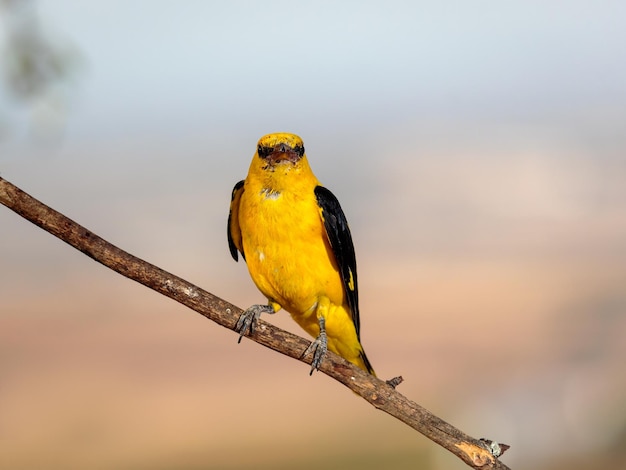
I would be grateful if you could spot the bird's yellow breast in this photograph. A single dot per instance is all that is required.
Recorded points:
(287, 250)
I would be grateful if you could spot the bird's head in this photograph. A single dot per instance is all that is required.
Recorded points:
(280, 149)
(280, 164)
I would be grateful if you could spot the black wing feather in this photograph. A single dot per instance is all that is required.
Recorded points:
(340, 240)
(233, 224)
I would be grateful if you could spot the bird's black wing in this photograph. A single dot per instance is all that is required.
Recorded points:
(234, 231)
(340, 240)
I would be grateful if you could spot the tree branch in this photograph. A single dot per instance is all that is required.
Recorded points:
(477, 453)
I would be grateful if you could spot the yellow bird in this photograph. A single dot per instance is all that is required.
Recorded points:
(294, 237)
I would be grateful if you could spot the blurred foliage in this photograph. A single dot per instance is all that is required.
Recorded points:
(37, 66)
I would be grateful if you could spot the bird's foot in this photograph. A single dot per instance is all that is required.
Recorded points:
(318, 347)
(248, 319)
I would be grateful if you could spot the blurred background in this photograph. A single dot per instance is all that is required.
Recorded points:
(477, 148)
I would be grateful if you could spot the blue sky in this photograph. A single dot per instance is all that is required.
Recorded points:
(199, 66)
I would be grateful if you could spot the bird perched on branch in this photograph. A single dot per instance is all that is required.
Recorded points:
(294, 237)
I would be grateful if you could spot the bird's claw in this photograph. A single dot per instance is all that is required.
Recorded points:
(248, 319)
(318, 347)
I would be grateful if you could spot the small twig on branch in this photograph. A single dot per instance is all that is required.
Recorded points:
(477, 453)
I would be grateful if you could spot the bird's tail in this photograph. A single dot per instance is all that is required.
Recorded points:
(364, 363)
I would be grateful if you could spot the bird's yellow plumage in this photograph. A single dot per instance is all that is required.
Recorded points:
(297, 245)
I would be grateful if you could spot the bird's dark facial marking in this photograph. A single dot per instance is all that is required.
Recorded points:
(280, 153)
(264, 152)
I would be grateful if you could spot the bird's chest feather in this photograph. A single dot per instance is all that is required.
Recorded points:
(286, 248)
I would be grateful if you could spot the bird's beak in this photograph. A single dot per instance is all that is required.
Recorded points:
(281, 153)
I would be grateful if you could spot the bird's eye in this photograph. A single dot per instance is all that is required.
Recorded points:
(299, 150)
(263, 151)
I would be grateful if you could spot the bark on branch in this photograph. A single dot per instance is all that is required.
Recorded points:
(477, 453)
